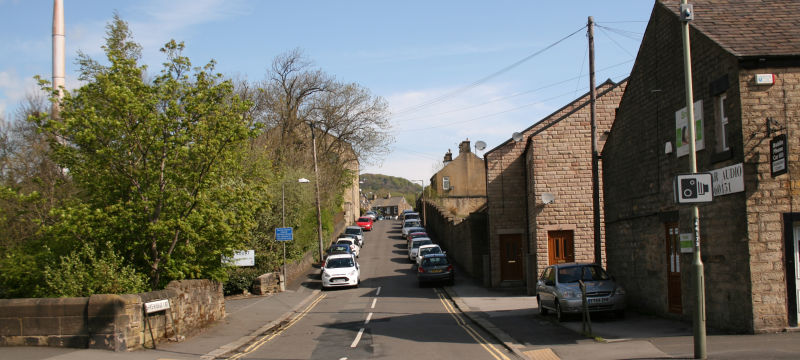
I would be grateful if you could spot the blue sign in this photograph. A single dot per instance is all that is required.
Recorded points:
(284, 234)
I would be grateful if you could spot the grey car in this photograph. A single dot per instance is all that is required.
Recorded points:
(435, 267)
(558, 290)
(357, 232)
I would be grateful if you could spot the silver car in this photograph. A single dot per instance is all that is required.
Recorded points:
(558, 290)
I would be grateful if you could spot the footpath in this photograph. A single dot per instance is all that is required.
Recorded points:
(512, 317)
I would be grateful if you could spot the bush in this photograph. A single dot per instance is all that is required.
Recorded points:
(239, 280)
(88, 271)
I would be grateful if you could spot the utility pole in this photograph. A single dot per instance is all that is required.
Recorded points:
(698, 283)
(598, 241)
(58, 52)
(316, 183)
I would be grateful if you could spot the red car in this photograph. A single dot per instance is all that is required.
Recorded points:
(365, 222)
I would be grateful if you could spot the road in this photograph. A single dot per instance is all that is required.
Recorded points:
(388, 316)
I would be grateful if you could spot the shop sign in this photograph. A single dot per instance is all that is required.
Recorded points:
(728, 180)
(778, 154)
(682, 129)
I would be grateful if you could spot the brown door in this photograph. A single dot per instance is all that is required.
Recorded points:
(511, 257)
(560, 247)
(673, 269)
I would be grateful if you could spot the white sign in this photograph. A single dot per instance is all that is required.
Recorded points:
(686, 243)
(728, 180)
(241, 258)
(156, 306)
(765, 79)
(682, 129)
(693, 188)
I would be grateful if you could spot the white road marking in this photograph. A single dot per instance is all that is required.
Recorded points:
(358, 338)
(368, 317)
(378, 292)
(373, 303)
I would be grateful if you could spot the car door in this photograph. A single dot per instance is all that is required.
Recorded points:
(549, 289)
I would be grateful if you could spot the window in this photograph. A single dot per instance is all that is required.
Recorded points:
(445, 183)
(722, 123)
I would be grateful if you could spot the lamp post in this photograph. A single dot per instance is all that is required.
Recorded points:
(424, 213)
(316, 176)
(283, 216)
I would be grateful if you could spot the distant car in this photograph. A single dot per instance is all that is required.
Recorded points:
(415, 235)
(380, 217)
(414, 230)
(558, 290)
(340, 270)
(371, 214)
(411, 216)
(415, 244)
(408, 225)
(353, 246)
(356, 231)
(339, 249)
(365, 223)
(435, 267)
(426, 250)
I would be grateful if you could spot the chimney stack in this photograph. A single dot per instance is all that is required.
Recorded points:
(448, 157)
(464, 147)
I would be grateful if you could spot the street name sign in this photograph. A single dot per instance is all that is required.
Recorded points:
(694, 188)
(156, 306)
(284, 234)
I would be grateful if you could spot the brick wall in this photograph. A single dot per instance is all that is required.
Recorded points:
(111, 322)
(464, 239)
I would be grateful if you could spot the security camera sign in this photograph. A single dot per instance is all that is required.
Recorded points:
(694, 188)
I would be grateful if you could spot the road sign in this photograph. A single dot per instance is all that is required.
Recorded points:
(694, 188)
(284, 234)
(778, 160)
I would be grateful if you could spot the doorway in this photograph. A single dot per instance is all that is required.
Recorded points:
(510, 257)
(560, 247)
(674, 304)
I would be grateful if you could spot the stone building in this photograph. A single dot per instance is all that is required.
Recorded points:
(464, 176)
(390, 206)
(748, 235)
(553, 155)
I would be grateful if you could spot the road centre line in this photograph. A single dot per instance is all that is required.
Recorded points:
(358, 338)
(373, 303)
(378, 292)
(253, 347)
(368, 317)
(488, 346)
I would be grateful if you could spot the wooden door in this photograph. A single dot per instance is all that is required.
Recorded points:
(560, 247)
(673, 269)
(511, 257)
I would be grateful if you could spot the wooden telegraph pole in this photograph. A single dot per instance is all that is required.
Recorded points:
(598, 241)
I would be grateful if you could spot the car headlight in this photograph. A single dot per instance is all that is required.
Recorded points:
(325, 274)
(572, 295)
(352, 273)
(619, 291)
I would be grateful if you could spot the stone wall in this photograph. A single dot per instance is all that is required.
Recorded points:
(464, 239)
(463, 206)
(111, 322)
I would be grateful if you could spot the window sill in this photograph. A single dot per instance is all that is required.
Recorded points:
(722, 156)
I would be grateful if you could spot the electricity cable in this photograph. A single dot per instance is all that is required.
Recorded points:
(615, 42)
(580, 74)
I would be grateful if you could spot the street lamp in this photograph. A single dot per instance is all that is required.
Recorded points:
(316, 176)
(283, 217)
(424, 214)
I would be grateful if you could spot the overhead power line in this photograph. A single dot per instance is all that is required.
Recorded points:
(481, 81)
(615, 42)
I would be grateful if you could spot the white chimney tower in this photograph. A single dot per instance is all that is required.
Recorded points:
(58, 49)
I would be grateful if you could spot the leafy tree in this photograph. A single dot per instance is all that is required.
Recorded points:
(164, 163)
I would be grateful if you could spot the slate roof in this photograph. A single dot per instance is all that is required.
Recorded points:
(748, 27)
(392, 201)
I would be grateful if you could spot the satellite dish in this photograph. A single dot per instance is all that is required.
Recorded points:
(517, 137)
(548, 198)
(480, 145)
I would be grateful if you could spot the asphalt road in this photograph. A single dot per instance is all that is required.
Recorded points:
(387, 316)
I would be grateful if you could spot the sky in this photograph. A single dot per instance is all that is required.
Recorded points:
(411, 53)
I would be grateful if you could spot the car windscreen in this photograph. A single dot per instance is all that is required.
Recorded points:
(417, 244)
(353, 231)
(363, 219)
(412, 216)
(585, 273)
(434, 261)
(339, 263)
(348, 242)
(409, 224)
(344, 248)
(420, 235)
(433, 250)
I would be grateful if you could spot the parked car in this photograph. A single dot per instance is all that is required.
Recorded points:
(435, 267)
(411, 216)
(365, 223)
(415, 230)
(427, 249)
(353, 246)
(415, 244)
(355, 230)
(339, 249)
(408, 225)
(415, 235)
(558, 290)
(371, 214)
(380, 217)
(340, 270)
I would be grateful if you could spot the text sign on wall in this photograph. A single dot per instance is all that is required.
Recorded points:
(284, 234)
(156, 306)
(728, 180)
(241, 258)
(777, 147)
(686, 243)
(682, 129)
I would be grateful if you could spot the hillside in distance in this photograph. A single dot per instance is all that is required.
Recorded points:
(382, 185)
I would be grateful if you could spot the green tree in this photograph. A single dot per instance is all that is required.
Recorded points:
(165, 164)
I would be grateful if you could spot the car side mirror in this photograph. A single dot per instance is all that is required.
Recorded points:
(549, 282)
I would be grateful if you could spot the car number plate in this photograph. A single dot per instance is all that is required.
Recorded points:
(339, 280)
(436, 270)
(599, 300)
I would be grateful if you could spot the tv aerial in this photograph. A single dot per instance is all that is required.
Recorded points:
(480, 145)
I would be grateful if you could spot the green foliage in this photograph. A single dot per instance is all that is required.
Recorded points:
(240, 279)
(88, 271)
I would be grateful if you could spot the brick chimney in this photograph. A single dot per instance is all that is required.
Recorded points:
(448, 157)
(464, 147)
(389, 195)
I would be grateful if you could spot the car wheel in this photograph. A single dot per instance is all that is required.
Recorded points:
(560, 314)
(542, 310)
(620, 314)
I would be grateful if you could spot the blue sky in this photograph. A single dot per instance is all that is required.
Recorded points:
(409, 52)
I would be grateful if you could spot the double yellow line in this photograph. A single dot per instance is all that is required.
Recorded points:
(474, 334)
(254, 346)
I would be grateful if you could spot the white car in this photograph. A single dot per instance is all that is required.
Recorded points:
(353, 246)
(357, 232)
(340, 270)
(428, 249)
(408, 224)
(415, 244)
